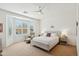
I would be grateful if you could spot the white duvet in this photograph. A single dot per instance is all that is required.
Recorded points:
(45, 42)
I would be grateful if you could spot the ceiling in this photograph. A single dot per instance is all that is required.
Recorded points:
(52, 9)
(21, 7)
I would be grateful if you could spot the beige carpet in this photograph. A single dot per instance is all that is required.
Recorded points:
(23, 49)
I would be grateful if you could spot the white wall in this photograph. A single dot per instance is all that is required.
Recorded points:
(62, 17)
(3, 34)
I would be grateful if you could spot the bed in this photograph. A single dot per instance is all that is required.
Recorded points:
(44, 42)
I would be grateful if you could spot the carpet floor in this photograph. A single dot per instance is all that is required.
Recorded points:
(23, 49)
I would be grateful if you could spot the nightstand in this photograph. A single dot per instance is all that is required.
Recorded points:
(62, 42)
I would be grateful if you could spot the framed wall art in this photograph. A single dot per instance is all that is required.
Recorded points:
(1, 27)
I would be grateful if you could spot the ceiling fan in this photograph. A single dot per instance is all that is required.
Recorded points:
(40, 10)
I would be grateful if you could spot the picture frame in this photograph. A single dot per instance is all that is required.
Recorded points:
(1, 27)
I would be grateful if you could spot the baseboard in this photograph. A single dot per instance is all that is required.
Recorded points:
(68, 45)
(71, 45)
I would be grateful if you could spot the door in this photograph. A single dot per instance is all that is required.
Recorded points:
(9, 33)
(77, 40)
(77, 29)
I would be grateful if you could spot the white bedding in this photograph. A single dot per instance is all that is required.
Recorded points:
(45, 42)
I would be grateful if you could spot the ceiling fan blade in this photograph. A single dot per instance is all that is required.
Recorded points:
(35, 11)
(42, 8)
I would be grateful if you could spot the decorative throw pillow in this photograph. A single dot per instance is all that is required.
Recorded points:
(48, 35)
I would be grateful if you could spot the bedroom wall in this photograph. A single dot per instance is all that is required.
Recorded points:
(62, 17)
(2, 35)
(3, 14)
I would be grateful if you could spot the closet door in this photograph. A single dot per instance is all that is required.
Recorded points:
(77, 29)
(77, 39)
(9, 34)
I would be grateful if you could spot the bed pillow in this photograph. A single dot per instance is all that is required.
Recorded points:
(43, 34)
(54, 36)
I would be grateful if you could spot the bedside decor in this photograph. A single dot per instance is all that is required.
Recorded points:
(52, 26)
(63, 38)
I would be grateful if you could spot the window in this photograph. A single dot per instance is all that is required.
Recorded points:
(21, 27)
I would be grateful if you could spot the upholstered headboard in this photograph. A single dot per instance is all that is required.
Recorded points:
(54, 32)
